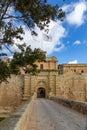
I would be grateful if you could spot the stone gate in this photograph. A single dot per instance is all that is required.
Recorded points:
(65, 81)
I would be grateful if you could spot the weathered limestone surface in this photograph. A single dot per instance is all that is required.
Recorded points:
(27, 88)
(69, 86)
(20, 119)
(79, 106)
(72, 87)
(65, 81)
(43, 114)
(11, 94)
(50, 64)
(73, 68)
(44, 79)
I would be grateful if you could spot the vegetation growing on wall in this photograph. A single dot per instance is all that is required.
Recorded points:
(2, 118)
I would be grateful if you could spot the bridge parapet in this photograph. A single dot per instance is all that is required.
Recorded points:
(19, 120)
(76, 105)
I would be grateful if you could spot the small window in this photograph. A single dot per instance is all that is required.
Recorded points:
(41, 66)
(82, 71)
(74, 70)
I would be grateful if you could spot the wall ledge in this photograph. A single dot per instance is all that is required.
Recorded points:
(76, 105)
(17, 121)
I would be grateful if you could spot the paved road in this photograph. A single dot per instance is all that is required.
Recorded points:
(48, 115)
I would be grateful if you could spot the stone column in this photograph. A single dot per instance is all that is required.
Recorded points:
(27, 87)
(58, 85)
(52, 84)
(86, 88)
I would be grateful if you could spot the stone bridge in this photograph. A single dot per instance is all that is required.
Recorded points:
(43, 114)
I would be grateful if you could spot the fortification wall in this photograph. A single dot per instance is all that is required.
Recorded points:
(72, 87)
(44, 79)
(76, 105)
(68, 86)
(10, 94)
(73, 68)
(20, 119)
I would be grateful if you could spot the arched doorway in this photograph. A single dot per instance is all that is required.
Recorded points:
(41, 93)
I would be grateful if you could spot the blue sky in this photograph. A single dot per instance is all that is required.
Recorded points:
(75, 41)
(68, 39)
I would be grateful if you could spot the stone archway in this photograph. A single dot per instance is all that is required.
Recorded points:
(41, 93)
(41, 89)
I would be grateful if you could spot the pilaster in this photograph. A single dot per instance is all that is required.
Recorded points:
(27, 87)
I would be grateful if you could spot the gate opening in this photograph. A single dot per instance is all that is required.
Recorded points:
(41, 93)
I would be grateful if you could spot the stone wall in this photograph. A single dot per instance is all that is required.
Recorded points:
(68, 86)
(72, 68)
(72, 87)
(76, 105)
(65, 86)
(44, 79)
(11, 93)
(20, 119)
(49, 64)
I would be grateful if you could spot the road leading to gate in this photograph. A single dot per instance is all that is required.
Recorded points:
(48, 115)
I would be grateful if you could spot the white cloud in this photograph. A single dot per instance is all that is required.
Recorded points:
(77, 42)
(76, 13)
(56, 32)
(73, 62)
(10, 57)
(58, 49)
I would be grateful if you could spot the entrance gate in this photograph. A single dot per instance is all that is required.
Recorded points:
(41, 93)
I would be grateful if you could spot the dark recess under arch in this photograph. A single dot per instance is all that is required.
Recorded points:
(41, 93)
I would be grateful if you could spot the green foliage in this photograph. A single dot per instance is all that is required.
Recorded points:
(4, 71)
(14, 14)
(2, 118)
(26, 57)
(28, 12)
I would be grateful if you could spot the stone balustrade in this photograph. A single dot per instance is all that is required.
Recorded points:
(76, 105)
(19, 120)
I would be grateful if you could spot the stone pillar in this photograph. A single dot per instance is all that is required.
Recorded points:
(33, 84)
(58, 86)
(52, 84)
(86, 88)
(27, 87)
